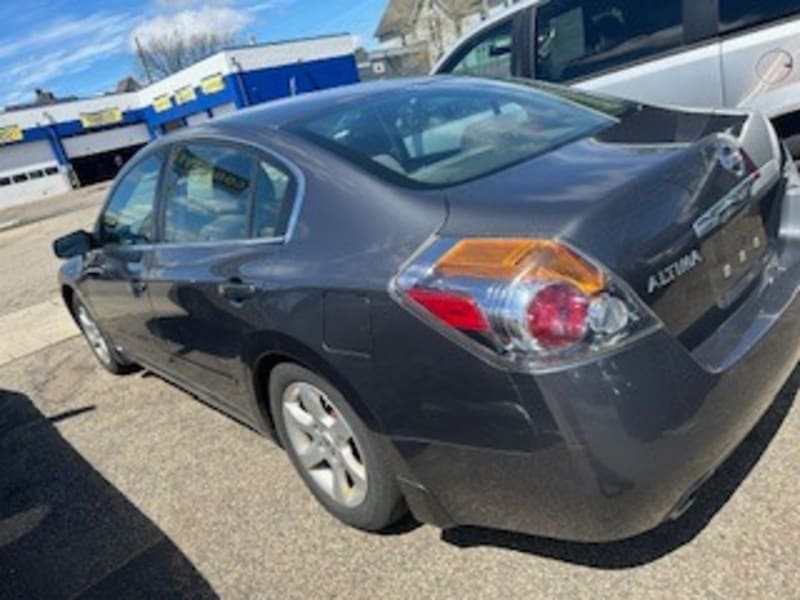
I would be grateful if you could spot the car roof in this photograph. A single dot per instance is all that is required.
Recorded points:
(279, 113)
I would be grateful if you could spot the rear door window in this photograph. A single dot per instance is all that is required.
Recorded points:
(576, 39)
(488, 55)
(738, 14)
(272, 209)
(208, 192)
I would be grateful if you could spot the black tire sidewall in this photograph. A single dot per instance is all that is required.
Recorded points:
(116, 364)
(383, 504)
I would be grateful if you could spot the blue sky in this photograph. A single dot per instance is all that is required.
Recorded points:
(84, 47)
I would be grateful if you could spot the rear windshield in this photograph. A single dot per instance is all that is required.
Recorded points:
(439, 135)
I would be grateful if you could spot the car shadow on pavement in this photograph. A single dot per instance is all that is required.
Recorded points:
(666, 538)
(65, 530)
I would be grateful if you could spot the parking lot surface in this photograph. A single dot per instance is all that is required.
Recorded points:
(128, 487)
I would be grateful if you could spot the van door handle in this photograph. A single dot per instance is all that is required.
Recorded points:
(237, 290)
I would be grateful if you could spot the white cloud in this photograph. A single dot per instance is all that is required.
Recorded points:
(192, 21)
(68, 31)
(270, 5)
(70, 45)
(66, 47)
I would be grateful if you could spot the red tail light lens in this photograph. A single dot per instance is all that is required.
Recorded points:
(457, 310)
(558, 316)
(531, 304)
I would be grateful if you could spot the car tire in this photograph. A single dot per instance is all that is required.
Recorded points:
(104, 351)
(313, 420)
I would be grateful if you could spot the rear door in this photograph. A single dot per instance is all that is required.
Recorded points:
(760, 50)
(654, 52)
(224, 213)
(115, 275)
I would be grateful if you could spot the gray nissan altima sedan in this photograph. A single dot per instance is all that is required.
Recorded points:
(491, 303)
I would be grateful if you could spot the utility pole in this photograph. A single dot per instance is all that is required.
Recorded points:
(143, 60)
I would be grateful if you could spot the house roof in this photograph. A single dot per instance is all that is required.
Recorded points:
(399, 14)
(396, 17)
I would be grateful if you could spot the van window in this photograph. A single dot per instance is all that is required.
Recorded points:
(489, 55)
(576, 38)
(736, 14)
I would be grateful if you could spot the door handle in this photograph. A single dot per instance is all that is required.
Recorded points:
(138, 287)
(236, 290)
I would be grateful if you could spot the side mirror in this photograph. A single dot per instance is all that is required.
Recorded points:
(76, 243)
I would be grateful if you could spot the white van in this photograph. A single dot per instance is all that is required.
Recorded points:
(703, 53)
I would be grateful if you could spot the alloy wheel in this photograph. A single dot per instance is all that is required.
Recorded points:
(93, 335)
(324, 443)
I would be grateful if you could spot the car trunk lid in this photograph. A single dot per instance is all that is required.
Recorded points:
(681, 205)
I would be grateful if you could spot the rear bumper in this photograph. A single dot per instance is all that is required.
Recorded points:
(634, 434)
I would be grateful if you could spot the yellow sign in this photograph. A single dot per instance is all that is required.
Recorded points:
(101, 118)
(162, 103)
(185, 95)
(10, 134)
(213, 84)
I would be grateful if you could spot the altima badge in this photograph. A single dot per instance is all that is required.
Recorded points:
(670, 273)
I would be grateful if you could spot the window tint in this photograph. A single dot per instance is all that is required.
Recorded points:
(19, 178)
(4, 181)
(208, 191)
(51, 171)
(36, 174)
(128, 218)
(436, 136)
(274, 199)
(735, 14)
(487, 56)
(576, 38)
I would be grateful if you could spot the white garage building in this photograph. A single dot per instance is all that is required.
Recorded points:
(49, 149)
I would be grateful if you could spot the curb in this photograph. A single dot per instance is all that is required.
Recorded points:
(10, 224)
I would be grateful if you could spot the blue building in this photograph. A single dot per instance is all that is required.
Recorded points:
(49, 149)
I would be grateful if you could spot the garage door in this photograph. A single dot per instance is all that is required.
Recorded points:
(225, 109)
(105, 141)
(19, 157)
(196, 118)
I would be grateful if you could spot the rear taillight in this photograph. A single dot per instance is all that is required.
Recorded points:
(558, 315)
(533, 304)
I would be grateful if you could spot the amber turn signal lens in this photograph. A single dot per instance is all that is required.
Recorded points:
(520, 259)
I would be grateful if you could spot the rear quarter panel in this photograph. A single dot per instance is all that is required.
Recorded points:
(352, 235)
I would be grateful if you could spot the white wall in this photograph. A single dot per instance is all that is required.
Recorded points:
(188, 77)
(287, 53)
(68, 111)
